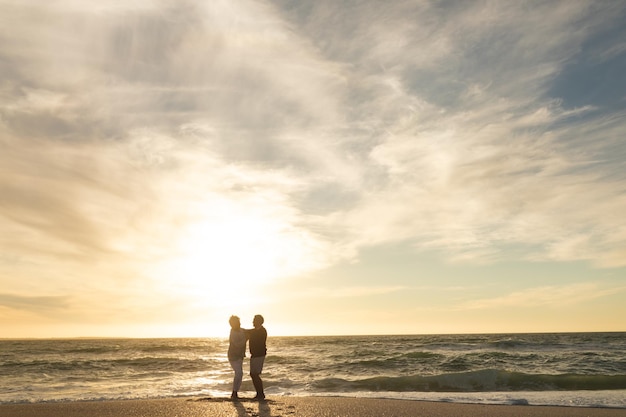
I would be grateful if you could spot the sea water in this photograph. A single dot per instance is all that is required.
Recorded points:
(567, 369)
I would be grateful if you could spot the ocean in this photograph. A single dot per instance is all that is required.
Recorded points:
(565, 369)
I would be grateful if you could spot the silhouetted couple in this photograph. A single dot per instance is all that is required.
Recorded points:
(237, 351)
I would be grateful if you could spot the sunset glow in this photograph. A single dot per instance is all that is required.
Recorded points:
(339, 167)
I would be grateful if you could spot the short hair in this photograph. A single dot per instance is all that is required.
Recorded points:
(234, 319)
(260, 317)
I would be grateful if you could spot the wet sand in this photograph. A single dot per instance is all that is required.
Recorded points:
(291, 407)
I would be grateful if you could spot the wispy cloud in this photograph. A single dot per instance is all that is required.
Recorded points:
(34, 304)
(492, 163)
(355, 292)
(461, 159)
(550, 295)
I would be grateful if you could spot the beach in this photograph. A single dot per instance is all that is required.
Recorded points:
(291, 407)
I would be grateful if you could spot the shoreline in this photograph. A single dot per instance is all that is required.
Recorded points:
(604, 399)
(287, 406)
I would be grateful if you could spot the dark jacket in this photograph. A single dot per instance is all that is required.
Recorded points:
(257, 340)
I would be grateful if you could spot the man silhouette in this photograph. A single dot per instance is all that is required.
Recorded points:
(258, 350)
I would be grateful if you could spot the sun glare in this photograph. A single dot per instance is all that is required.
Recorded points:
(225, 261)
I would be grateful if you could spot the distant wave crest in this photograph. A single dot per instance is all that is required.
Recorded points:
(476, 381)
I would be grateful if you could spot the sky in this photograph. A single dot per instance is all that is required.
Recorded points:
(352, 167)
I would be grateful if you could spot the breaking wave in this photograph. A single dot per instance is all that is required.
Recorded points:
(476, 381)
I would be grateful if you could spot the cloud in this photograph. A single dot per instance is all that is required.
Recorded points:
(549, 296)
(497, 162)
(355, 292)
(41, 305)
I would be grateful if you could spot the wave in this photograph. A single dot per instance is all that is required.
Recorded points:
(114, 366)
(477, 381)
(421, 355)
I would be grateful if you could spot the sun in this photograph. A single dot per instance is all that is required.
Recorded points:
(223, 261)
(226, 261)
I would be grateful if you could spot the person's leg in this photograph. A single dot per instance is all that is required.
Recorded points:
(238, 368)
(256, 367)
(258, 385)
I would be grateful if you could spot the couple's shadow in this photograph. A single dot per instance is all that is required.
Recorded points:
(253, 408)
(249, 407)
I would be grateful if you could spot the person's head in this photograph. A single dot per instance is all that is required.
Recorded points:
(234, 322)
(258, 321)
